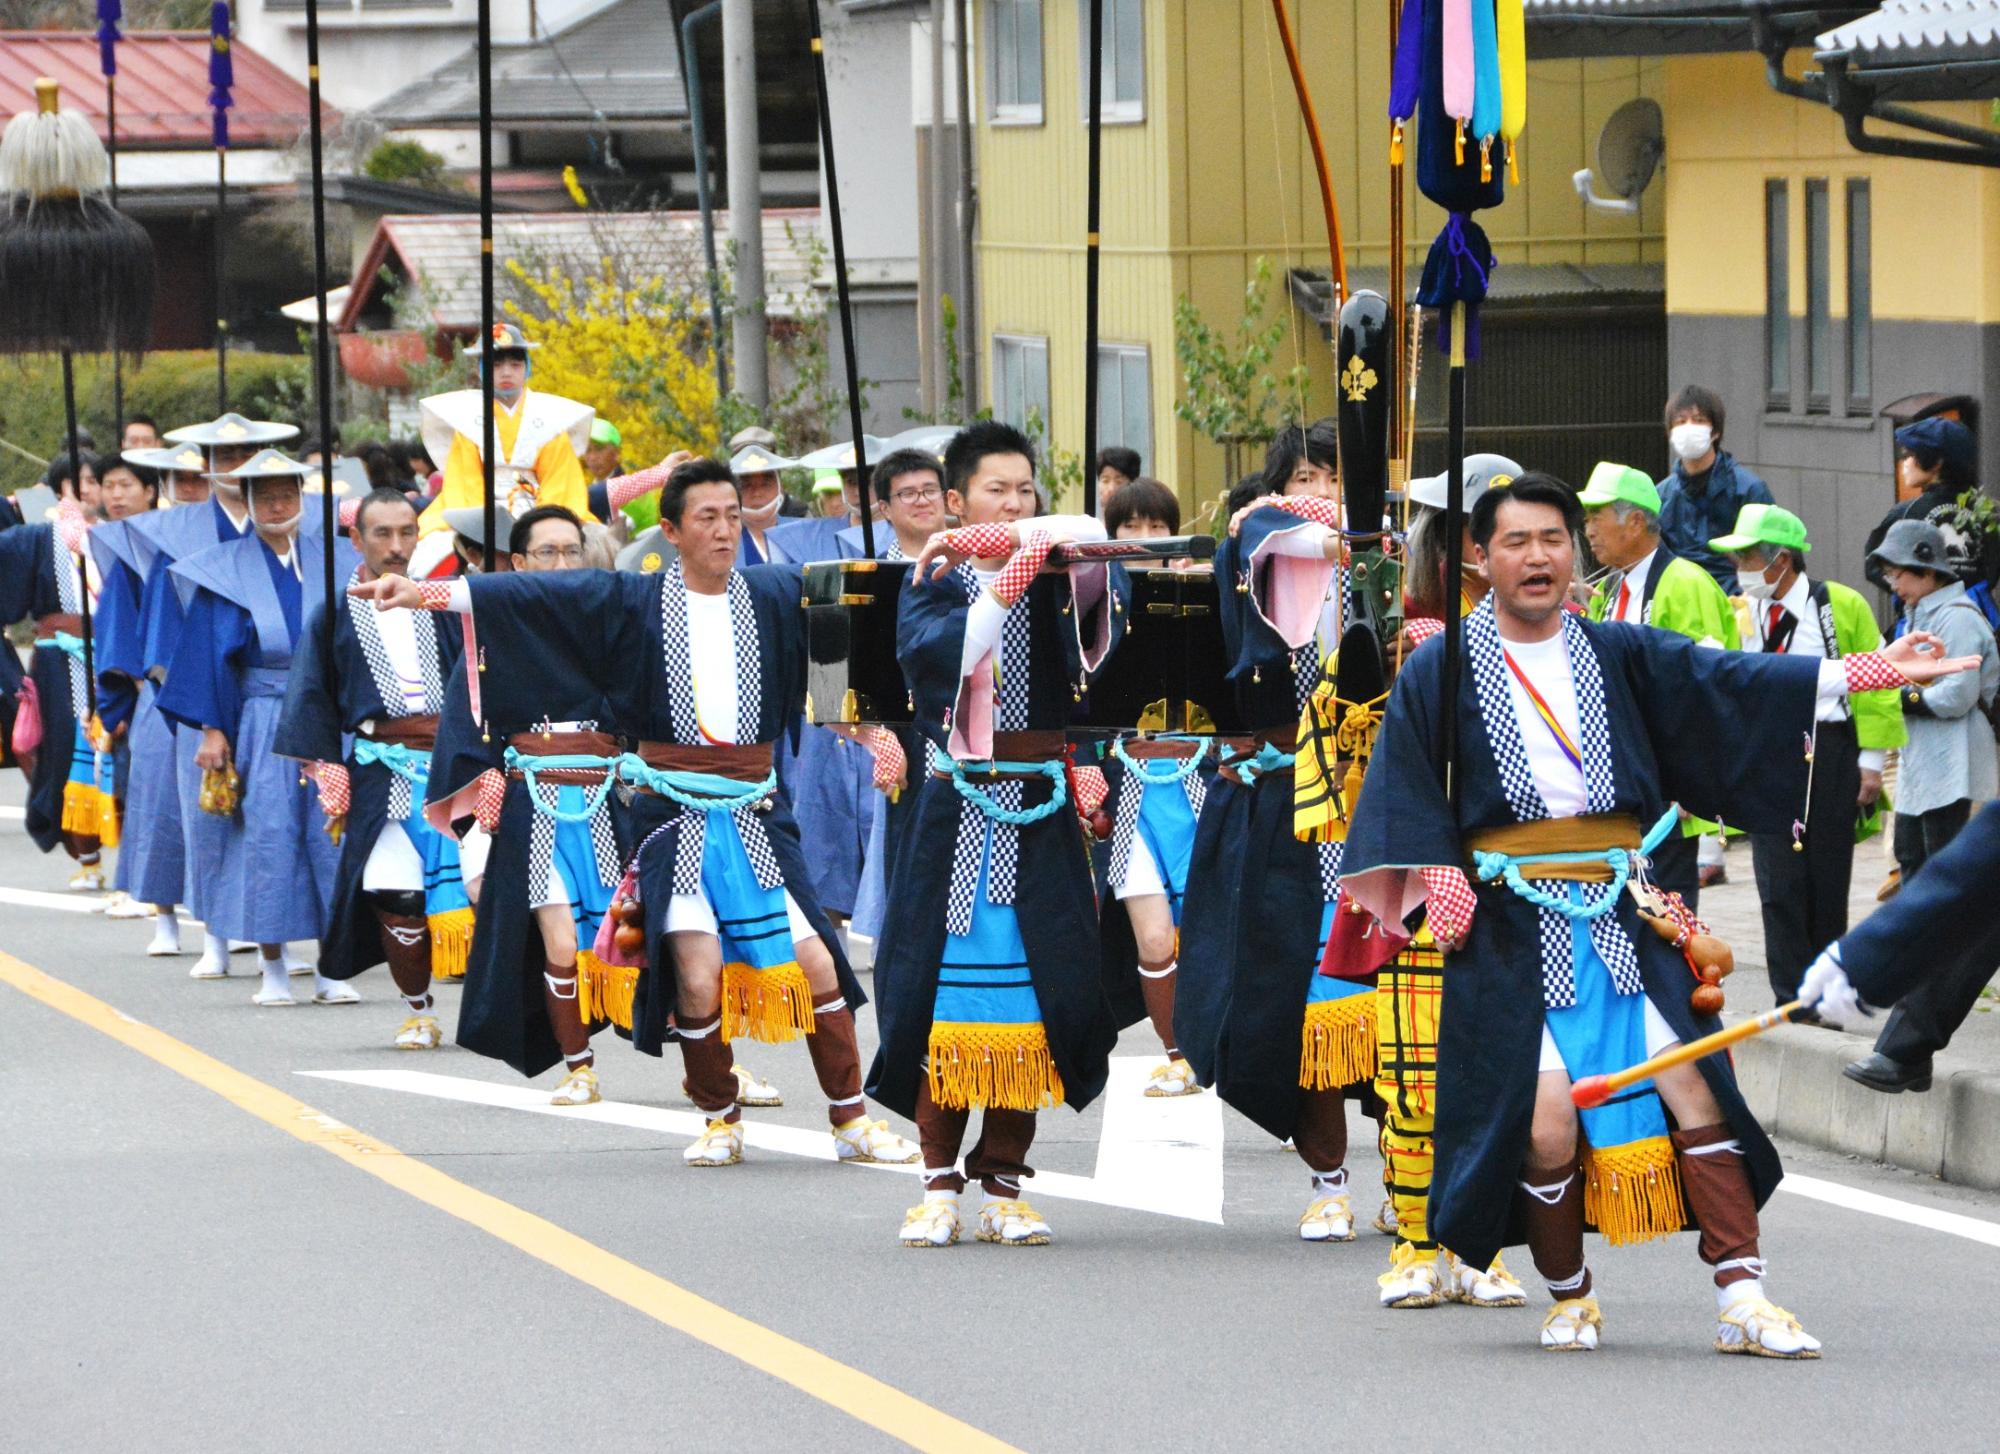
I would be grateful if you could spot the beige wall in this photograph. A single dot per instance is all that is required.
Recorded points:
(1935, 227)
(1220, 173)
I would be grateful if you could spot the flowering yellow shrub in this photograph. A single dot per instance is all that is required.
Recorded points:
(629, 350)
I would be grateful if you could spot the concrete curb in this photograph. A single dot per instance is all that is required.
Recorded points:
(1792, 1078)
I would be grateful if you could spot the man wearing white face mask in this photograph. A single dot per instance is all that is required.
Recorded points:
(1701, 498)
(1803, 883)
(270, 880)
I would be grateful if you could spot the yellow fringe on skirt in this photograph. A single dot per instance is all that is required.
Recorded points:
(451, 942)
(1632, 1193)
(604, 991)
(773, 1005)
(91, 811)
(1338, 1045)
(993, 1065)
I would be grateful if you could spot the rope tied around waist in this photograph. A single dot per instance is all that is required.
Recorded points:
(1268, 758)
(1014, 817)
(1178, 770)
(700, 791)
(1507, 868)
(412, 766)
(68, 645)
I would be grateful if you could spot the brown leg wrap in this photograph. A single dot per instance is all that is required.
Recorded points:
(711, 1076)
(1000, 1157)
(836, 1058)
(1159, 997)
(406, 944)
(940, 1131)
(1555, 1228)
(81, 846)
(571, 1038)
(1718, 1193)
(1320, 1135)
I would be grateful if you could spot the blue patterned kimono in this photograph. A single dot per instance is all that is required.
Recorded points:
(956, 943)
(612, 648)
(326, 704)
(273, 879)
(1648, 702)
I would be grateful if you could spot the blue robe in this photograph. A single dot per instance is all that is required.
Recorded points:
(152, 859)
(273, 879)
(802, 542)
(326, 702)
(1663, 697)
(1058, 931)
(1252, 920)
(588, 645)
(29, 588)
(159, 539)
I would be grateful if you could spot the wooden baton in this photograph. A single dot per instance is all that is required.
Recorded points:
(1594, 1090)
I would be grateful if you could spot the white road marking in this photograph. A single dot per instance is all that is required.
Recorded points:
(68, 903)
(7, 810)
(1151, 1167)
(1875, 1204)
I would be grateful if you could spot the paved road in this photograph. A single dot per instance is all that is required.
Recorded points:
(188, 1263)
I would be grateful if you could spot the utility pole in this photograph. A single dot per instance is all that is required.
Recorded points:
(940, 236)
(746, 199)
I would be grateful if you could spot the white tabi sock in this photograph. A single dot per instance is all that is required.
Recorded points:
(167, 930)
(1329, 1183)
(277, 980)
(215, 947)
(1749, 1289)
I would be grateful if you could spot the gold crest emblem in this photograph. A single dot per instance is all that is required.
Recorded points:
(650, 562)
(1357, 379)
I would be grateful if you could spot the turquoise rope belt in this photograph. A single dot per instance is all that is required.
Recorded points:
(406, 762)
(1267, 759)
(1176, 771)
(961, 772)
(701, 791)
(1508, 869)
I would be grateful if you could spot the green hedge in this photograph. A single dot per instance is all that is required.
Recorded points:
(175, 388)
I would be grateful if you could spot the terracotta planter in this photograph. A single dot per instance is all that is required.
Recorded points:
(382, 360)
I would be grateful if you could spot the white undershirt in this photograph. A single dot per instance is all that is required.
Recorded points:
(1634, 585)
(399, 640)
(712, 656)
(1560, 781)
(985, 619)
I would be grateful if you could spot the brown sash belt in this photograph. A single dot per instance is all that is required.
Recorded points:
(565, 744)
(1039, 746)
(64, 621)
(745, 763)
(418, 733)
(1591, 833)
(1154, 749)
(1238, 749)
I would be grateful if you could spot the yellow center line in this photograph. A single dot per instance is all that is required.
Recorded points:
(846, 1389)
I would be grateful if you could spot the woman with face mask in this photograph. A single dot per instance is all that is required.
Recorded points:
(1705, 491)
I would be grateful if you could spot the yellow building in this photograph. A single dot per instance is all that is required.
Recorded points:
(1811, 285)
(1206, 169)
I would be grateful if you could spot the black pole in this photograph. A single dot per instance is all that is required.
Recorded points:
(322, 341)
(111, 151)
(1096, 64)
(221, 261)
(704, 194)
(1454, 549)
(840, 289)
(82, 566)
(487, 444)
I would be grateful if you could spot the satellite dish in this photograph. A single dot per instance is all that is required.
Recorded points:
(1629, 149)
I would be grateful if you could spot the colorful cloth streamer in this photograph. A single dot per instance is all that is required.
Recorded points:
(109, 13)
(1486, 98)
(1513, 80)
(1461, 259)
(221, 71)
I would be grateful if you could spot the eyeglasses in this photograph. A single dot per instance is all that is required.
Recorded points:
(550, 554)
(918, 495)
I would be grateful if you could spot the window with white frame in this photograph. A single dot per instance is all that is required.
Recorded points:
(1015, 70)
(1020, 380)
(1123, 64)
(1124, 400)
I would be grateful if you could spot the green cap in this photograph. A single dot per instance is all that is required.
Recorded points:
(603, 431)
(1610, 483)
(825, 482)
(1763, 525)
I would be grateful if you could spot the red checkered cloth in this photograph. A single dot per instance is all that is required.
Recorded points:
(492, 793)
(1871, 671)
(1019, 573)
(890, 761)
(1316, 508)
(434, 595)
(623, 490)
(335, 794)
(1451, 902)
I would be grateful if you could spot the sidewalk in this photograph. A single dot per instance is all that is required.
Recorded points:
(1792, 1075)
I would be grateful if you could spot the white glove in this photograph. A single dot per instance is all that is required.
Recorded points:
(1826, 989)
